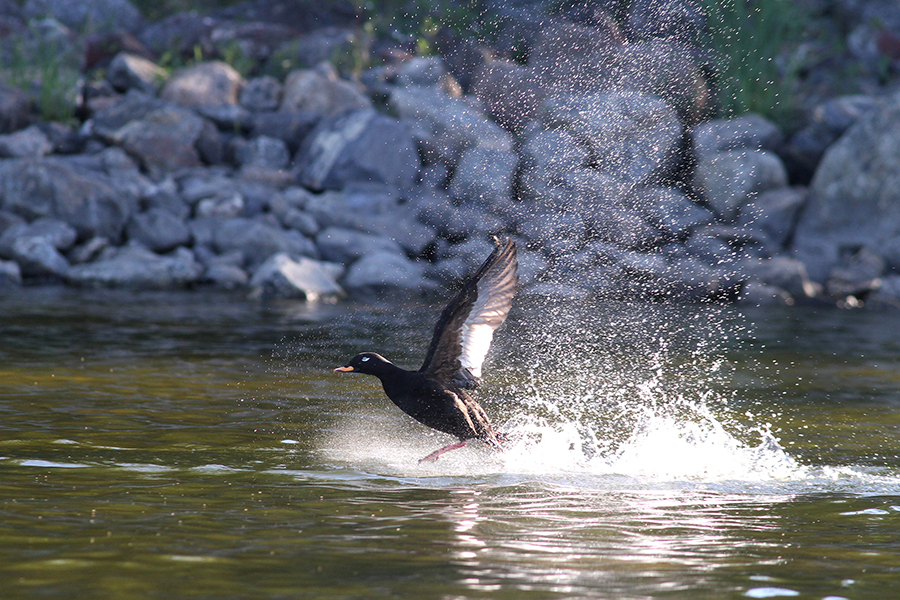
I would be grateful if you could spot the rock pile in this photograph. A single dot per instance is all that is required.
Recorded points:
(596, 153)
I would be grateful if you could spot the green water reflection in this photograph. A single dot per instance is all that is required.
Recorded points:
(198, 446)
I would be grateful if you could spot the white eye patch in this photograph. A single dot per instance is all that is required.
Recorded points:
(364, 358)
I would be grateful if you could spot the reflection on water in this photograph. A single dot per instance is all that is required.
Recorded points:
(198, 445)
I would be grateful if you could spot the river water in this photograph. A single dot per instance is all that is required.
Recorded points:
(198, 445)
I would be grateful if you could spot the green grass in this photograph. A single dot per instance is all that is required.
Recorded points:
(47, 75)
(758, 66)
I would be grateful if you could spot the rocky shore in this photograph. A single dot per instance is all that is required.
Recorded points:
(586, 134)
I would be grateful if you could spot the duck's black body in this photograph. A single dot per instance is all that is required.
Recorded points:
(436, 395)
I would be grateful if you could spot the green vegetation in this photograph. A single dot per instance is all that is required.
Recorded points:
(45, 73)
(758, 65)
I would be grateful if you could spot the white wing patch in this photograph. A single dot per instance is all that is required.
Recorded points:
(487, 314)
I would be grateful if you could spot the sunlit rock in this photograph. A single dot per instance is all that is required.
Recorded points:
(283, 276)
(857, 274)
(755, 293)
(320, 90)
(827, 122)
(37, 247)
(37, 257)
(784, 273)
(130, 71)
(887, 294)
(213, 82)
(58, 233)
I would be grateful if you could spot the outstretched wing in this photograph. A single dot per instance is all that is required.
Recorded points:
(465, 329)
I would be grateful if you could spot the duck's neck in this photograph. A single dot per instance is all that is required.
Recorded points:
(387, 369)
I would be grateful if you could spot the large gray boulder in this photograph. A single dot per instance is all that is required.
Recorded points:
(509, 93)
(26, 143)
(386, 271)
(854, 198)
(134, 266)
(37, 257)
(603, 63)
(632, 135)
(775, 214)
(670, 210)
(53, 188)
(783, 273)
(484, 176)
(826, 123)
(449, 124)
(552, 151)
(358, 146)
(544, 227)
(163, 137)
(752, 131)
(158, 229)
(341, 245)
(729, 180)
(545, 157)
(37, 246)
(58, 234)
(258, 240)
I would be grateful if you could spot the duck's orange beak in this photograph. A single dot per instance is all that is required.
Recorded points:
(344, 369)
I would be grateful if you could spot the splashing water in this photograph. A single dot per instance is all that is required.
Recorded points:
(644, 407)
(636, 397)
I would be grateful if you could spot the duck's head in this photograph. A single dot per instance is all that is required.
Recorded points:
(369, 363)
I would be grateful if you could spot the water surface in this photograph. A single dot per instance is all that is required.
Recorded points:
(197, 445)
